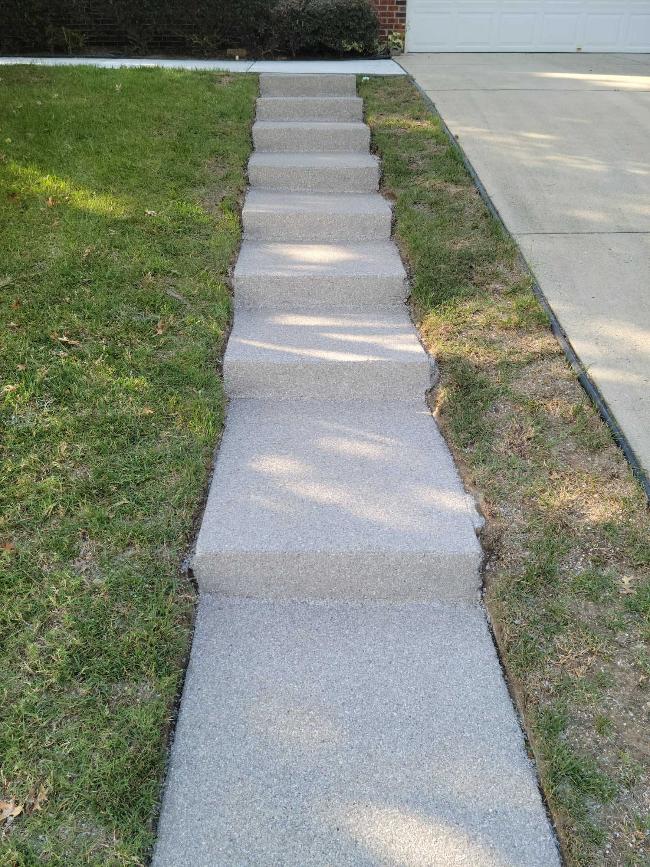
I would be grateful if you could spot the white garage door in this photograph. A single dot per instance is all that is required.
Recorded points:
(528, 25)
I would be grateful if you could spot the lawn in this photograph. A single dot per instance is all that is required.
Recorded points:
(119, 198)
(567, 536)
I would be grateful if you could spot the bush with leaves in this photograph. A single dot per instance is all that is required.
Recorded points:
(325, 27)
(189, 26)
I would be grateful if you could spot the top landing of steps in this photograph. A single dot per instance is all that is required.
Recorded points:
(278, 84)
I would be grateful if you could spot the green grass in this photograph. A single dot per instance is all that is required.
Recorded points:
(119, 197)
(567, 532)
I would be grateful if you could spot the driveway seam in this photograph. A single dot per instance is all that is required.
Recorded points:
(517, 234)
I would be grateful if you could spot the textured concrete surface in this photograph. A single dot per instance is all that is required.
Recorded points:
(317, 275)
(353, 500)
(526, 72)
(310, 136)
(332, 356)
(556, 161)
(309, 172)
(321, 724)
(275, 84)
(270, 215)
(275, 67)
(328, 67)
(560, 143)
(322, 108)
(314, 735)
(599, 287)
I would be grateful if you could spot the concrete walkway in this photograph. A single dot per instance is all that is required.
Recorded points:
(560, 143)
(332, 67)
(344, 704)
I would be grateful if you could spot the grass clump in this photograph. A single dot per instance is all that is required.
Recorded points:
(119, 197)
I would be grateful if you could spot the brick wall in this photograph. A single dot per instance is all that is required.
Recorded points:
(392, 15)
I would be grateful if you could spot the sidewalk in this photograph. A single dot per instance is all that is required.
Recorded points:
(348, 67)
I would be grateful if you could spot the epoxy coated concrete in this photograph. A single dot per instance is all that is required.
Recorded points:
(310, 172)
(354, 217)
(301, 354)
(337, 500)
(339, 735)
(324, 721)
(274, 136)
(560, 143)
(367, 276)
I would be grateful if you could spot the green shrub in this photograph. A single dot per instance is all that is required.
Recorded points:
(188, 26)
(325, 26)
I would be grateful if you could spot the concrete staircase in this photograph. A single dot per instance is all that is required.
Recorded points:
(344, 704)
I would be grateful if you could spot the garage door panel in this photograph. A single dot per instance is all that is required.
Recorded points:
(474, 29)
(430, 24)
(518, 30)
(560, 31)
(639, 35)
(528, 25)
(603, 31)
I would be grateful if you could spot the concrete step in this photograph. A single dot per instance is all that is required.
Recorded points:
(323, 108)
(310, 136)
(314, 735)
(307, 85)
(282, 216)
(313, 172)
(329, 356)
(354, 500)
(315, 275)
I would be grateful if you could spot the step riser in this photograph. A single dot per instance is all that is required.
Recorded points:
(318, 180)
(343, 109)
(312, 140)
(326, 227)
(286, 293)
(327, 381)
(308, 85)
(354, 576)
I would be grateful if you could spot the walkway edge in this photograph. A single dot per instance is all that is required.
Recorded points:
(589, 386)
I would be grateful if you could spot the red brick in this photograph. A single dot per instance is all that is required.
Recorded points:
(392, 15)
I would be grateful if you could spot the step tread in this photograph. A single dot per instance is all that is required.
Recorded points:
(269, 215)
(309, 108)
(319, 260)
(272, 201)
(308, 337)
(310, 171)
(312, 136)
(337, 734)
(279, 84)
(326, 99)
(305, 497)
(302, 159)
(304, 354)
(318, 125)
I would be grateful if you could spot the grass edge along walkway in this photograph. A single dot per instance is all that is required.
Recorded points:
(567, 531)
(119, 201)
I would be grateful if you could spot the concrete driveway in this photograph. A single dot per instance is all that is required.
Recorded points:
(561, 143)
